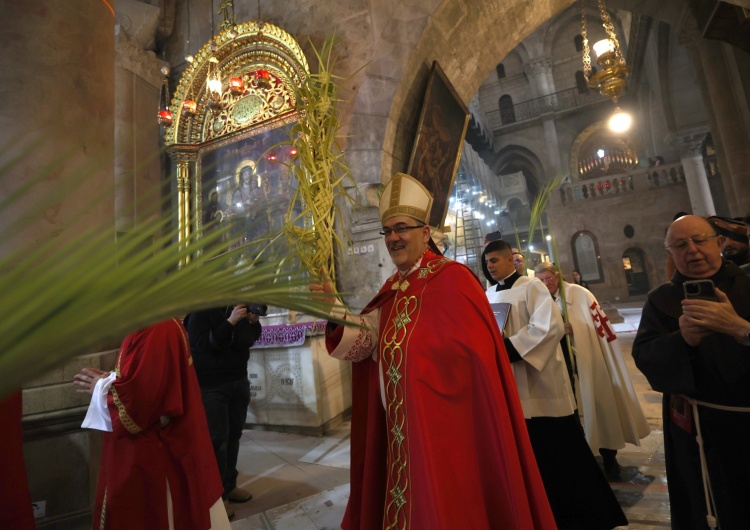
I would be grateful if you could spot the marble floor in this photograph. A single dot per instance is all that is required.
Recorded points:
(302, 482)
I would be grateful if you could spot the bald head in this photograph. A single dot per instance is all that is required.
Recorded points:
(694, 246)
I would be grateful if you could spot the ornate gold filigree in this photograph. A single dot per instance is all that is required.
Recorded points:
(256, 46)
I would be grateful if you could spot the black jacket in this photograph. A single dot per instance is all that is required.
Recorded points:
(220, 350)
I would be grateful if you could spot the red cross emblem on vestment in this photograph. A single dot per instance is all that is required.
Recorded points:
(602, 323)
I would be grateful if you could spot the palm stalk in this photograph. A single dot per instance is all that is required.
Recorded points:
(536, 213)
(320, 169)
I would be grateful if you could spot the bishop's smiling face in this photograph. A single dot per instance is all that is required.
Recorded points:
(408, 246)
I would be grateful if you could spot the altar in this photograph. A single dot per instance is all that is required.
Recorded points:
(294, 384)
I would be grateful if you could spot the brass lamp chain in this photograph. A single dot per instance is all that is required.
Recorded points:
(610, 29)
(164, 91)
(586, 51)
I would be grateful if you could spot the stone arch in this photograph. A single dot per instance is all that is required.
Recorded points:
(635, 268)
(515, 158)
(466, 66)
(584, 247)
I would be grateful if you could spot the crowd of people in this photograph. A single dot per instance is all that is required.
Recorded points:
(493, 428)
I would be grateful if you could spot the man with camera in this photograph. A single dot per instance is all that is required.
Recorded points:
(693, 345)
(220, 341)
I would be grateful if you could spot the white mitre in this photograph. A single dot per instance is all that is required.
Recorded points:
(405, 195)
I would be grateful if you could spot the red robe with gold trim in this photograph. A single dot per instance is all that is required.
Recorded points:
(450, 448)
(155, 378)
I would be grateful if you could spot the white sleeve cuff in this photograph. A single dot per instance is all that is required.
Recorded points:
(97, 417)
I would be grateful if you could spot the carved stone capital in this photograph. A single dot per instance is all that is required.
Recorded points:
(539, 65)
(135, 33)
(688, 142)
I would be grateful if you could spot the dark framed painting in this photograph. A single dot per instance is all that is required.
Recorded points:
(440, 139)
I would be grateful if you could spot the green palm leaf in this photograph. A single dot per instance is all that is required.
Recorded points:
(66, 299)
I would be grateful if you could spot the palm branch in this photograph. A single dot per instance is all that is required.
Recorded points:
(537, 212)
(66, 298)
(320, 168)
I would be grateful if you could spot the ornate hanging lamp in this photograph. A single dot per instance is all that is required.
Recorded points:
(164, 115)
(610, 80)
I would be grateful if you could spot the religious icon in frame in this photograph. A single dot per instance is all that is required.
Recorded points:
(440, 138)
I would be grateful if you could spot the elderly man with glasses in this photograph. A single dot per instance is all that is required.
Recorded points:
(438, 434)
(697, 353)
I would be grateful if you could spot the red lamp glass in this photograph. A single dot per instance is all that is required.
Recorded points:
(264, 79)
(272, 157)
(165, 117)
(236, 85)
(189, 107)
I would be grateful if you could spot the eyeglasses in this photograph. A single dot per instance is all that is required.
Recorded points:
(399, 230)
(698, 240)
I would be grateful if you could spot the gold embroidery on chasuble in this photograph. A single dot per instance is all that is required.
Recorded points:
(125, 418)
(393, 355)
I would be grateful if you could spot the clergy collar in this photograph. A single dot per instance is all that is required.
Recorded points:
(507, 282)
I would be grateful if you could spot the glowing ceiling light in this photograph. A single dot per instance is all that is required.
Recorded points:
(620, 121)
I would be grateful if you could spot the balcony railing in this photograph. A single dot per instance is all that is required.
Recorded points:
(640, 179)
(533, 108)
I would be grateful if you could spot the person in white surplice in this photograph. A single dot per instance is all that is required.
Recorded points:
(606, 399)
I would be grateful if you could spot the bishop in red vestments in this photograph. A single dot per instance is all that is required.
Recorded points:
(159, 447)
(438, 435)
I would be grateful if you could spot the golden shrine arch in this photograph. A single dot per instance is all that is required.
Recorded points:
(231, 105)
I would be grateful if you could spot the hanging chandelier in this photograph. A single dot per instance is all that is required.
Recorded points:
(610, 80)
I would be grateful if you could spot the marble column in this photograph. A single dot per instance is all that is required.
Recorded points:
(701, 201)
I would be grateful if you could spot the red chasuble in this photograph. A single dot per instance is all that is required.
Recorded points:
(15, 502)
(450, 448)
(155, 378)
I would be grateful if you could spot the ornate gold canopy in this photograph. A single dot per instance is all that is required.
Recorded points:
(269, 62)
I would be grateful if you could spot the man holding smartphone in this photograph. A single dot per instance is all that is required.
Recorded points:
(697, 353)
(220, 341)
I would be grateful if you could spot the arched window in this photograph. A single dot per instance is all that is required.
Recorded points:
(578, 41)
(586, 256)
(581, 82)
(507, 114)
(636, 275)
(500, 71)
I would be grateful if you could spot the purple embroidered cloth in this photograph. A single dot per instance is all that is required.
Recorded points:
(284, 335)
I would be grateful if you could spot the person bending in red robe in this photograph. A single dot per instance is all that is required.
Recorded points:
(158, 469)
(438, 434)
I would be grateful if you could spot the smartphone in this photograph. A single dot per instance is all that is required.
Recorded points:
(700, 290)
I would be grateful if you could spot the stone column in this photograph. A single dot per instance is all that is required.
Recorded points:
(729, 107)
(539, 73)
(137, 82)
(56, 106)
(553, 145)
(701, 201)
